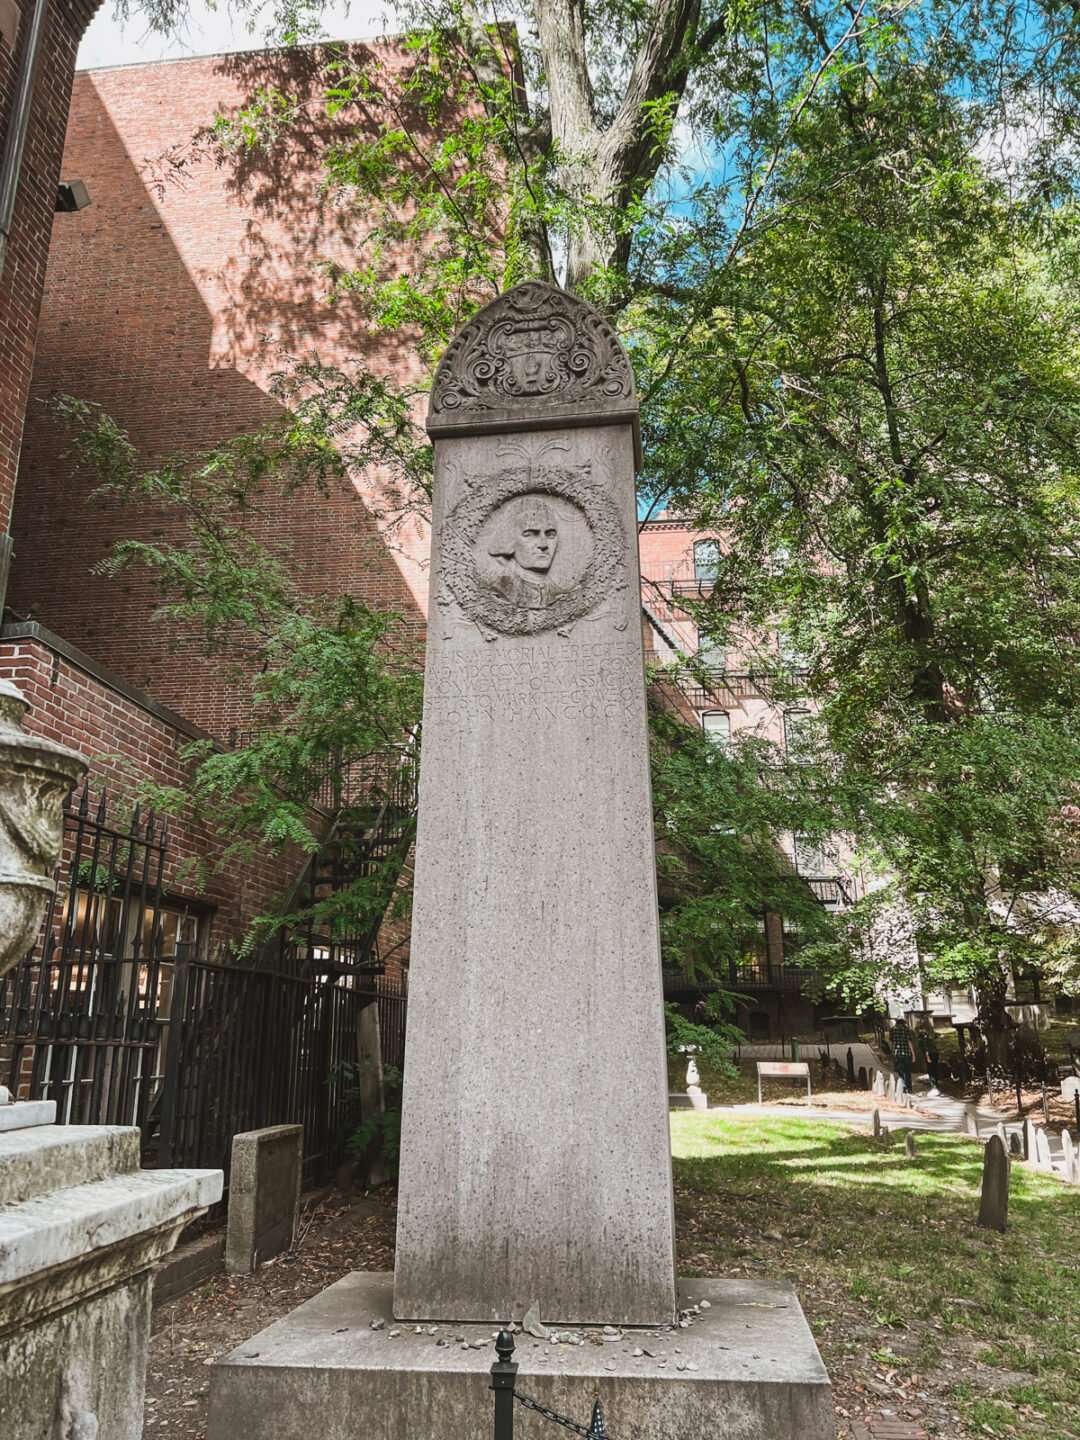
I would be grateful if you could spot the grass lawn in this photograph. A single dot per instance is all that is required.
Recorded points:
(914, 1308)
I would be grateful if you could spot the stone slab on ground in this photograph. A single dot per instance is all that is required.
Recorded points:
(188, 1266)
(887, 1427)
(757, 1373)
(264, 1195)
(688, 1100)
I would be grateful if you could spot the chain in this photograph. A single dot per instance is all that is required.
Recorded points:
(548, 1414)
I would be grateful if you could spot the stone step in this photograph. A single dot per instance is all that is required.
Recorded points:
(69, 1224)
(55, 1157)
(21, 1114)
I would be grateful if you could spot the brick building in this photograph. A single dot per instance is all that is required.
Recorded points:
(38, 44)
(730, 695)
(172, 301)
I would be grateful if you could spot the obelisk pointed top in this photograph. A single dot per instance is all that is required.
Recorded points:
(535, 358)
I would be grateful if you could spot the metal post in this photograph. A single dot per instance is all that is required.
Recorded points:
(503, 1374)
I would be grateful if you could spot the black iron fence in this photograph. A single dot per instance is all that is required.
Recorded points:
(251, 1047)
(121, 1016)
(81, 1020)
(391, 994)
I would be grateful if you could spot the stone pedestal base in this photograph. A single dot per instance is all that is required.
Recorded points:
(81, 1228)
(752, 1372)
(688, 1100)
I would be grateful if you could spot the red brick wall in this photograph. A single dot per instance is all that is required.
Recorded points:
(124, 742)
(173, 306)
(24, 272)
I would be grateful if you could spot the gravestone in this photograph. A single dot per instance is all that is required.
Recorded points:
(1070, 1088)
(862, 1077)
(971, 1123)
(1002, 1134)
(994, 1201)
(1029, 1142)
(264, 1195)
(1016, 1145)
(1068, 1147)
(850, 1066)
(878, 1087)
(535, 1159)
(1044, 1159)
(909, 1145)
(535, 1066)
(877, 1124)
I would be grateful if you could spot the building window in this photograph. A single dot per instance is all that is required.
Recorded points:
(794, 658)
(798, 735)
(706, 559)
(816, 859)
(711, 654)
(717, 726)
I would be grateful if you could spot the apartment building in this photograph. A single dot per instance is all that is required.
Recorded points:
(728, 695)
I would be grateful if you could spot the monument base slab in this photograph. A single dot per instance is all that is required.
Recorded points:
(752, 1372)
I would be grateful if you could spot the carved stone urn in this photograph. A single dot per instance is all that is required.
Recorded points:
(36, 776)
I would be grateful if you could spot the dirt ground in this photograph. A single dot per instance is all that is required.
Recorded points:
(1060, 1114)
(190, 1333)
(341, 1234)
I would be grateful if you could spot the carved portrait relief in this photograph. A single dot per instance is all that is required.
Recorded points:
(532, 547)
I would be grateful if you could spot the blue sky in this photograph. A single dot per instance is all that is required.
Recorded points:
(212, 31)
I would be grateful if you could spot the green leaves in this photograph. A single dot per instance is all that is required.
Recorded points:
(330, 684)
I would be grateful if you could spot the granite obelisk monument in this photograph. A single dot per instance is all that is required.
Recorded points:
(535, 1158)
(535, 1154)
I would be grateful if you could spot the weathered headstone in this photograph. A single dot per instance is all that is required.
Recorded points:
(1072, 1158)
(878, 1087)
(1016, 1145)
(535, 1153)
(1044, 1159)
(850, 1066)
(1002, 1134)
(264, 1195)
(994, 1201)
(971, 1123)
(909, 1145)
(1070, 1088)
(1029, 1142)
(877, 1124)
(862, 1077)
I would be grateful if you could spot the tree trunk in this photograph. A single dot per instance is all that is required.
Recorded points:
(605, 169)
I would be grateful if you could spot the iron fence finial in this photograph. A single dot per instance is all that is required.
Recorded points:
(504, 1346)
(597, 1428)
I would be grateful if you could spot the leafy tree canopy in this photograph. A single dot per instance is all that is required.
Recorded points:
(840, 242)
